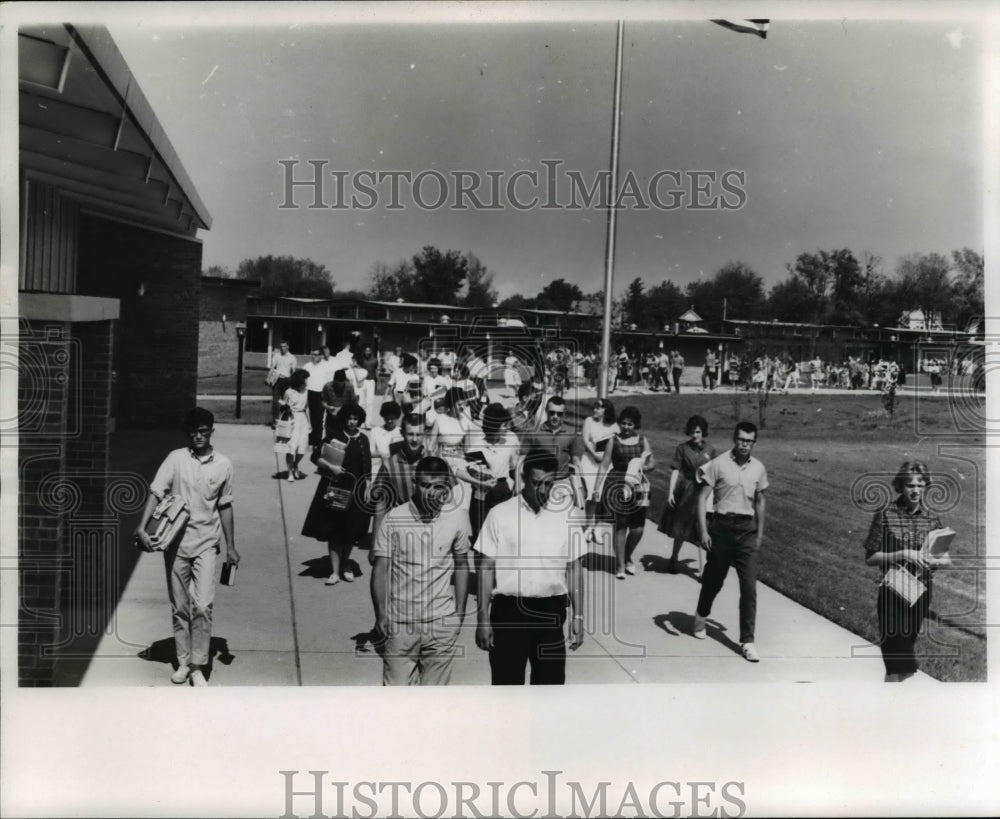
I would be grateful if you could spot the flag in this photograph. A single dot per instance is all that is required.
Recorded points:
(758, 27)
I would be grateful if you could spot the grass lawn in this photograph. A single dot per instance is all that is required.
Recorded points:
(830, 460)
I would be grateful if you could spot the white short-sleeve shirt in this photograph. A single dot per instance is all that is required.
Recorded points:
(531, 549)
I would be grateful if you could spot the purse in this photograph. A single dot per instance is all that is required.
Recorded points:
(167, 521)
(904, 584)
(337, 498)
(284, 425)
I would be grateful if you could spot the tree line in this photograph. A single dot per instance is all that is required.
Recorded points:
(825, 287)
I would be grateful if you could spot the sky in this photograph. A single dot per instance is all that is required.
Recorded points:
(849, 133)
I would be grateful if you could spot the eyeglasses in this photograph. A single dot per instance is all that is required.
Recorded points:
(750, 441)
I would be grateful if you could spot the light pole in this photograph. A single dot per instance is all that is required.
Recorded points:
(241, 331)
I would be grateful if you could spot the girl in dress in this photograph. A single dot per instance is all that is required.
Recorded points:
(680, 518)
(342, 528)
(598, 430)
(296, 400)
(627, 451)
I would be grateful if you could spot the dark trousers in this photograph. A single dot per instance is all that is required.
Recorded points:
(677, 378)
(528, 631)
(898, 625)
(734, 543)
(708, 378)
(316, 414)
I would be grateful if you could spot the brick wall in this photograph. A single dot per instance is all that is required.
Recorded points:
(43, 387)
(68, 565)
(156, 355)
(217, 349)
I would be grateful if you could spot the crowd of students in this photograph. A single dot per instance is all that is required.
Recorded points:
(449, 473)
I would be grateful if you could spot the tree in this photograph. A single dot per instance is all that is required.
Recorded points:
(559, 294)
(924, 284)
(847, 290)
(968, 301)
(735, 289)
(479, 290)
(635, 312)
(391, 283)
(663, 304)
(813, 271)
(219, 271)
(287, 276)
(790, 300)
(518, 302)
(438, 277)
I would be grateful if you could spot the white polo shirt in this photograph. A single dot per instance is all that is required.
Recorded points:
(531, 550)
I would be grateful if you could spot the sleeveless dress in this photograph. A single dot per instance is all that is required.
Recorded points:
(617, 498)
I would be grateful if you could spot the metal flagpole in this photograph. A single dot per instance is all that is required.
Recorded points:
(609, 259)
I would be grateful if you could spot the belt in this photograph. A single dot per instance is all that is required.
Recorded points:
(731, 516)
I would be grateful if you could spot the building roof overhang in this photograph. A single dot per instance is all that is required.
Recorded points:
(87, 129)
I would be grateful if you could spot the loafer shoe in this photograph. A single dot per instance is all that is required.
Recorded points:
(180, 676)
(750, 653)
(699, 630)
(198, 678)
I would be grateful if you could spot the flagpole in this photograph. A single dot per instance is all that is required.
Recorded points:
(609, 258)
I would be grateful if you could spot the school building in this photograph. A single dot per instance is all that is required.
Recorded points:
(108, 297)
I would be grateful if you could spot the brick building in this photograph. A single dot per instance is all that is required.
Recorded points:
(109, 293)
(223, 306)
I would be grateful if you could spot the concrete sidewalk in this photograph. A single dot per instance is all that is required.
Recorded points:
(281, 625)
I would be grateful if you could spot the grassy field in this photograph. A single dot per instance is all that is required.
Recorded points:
(830, 459)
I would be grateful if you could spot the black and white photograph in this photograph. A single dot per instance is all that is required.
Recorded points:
(636, 349)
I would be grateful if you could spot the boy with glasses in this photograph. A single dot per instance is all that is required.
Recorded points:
(737, 481)
(203, 477)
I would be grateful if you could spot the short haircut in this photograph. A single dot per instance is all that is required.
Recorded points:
(749, 427)
(494, 417)
(408, 361)
(609, 410)
(454, 396)
(351, 409)
(434, 362)
(908, 470)
(298, 379)
(461, 370)
(390, 409)
(525, 391)
(555, 400)
(696, 422)
(540, 459)
(413, 419)
(631, 414)
(433, 465)
(198, 417)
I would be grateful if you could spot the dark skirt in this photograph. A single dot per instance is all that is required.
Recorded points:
(340, 525)
(681, 521)
(621, 503)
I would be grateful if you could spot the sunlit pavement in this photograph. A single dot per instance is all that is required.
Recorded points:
(281, 625)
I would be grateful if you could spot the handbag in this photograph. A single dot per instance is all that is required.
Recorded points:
(284, 425)
(167, 521)
(904, 584)
(338, 497)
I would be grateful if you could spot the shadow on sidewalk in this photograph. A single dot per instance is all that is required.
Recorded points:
(681, 624)
(164, 651)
